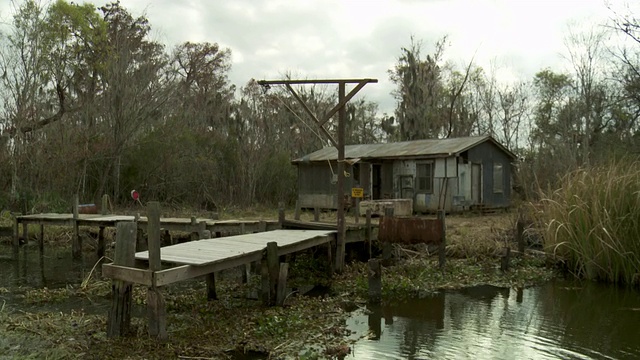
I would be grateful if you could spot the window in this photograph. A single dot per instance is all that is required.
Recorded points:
(498, 178)
(424, 178)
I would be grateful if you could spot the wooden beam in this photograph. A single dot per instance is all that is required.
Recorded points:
(313, 117)
(319, 81)
(343, 101)
(129, 274)
(76, 242)
(153, 235)
(119, 320)
(340, 247)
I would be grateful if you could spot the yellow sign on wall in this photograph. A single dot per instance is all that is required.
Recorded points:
(357, 192)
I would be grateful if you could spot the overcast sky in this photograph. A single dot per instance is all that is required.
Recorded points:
(362, 39)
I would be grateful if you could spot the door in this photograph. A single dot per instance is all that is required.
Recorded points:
(476, 184)
(376, 181)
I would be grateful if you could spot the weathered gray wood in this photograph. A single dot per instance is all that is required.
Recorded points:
(367, 232)
(273, 263)
(25, 233)
(330, 259)
(76, 241)
(296, 215)
(128, 274)
(41, 239)
(442, 250)
(375, 281)
(281, 216)
(153, 235)
(281, 292)
(264, 289)
(101, 244)
(245, 271)
(211, 287)
(316, 214)
(506, 258)
(119, 320)
(156, 313)
(520, 236)
(357, 211)
(104, 209)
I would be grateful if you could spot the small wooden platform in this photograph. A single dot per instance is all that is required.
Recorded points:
(202, 257)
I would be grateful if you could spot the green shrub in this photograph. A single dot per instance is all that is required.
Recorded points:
(593, 222)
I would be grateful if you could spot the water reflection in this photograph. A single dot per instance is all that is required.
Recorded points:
(559, 320)
(40, 268)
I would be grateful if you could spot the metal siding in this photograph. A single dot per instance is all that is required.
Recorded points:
(487, 154)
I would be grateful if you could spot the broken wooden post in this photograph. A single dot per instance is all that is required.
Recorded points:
(41, 239)
(211, 287)
(442, 249)
(119, 320)
(281, 214)
(375, 281)
(357, 211)
(367, 232)
(297, 211)
(281, 288)
(104, 210)
(520, 235)
(316, 214)
(16, 238)
(76, 242)
(100, 250)
(25, 233)
(506, 258)
(156, 307)
(270, 273)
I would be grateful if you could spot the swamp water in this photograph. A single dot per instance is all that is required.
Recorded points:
(558, 320)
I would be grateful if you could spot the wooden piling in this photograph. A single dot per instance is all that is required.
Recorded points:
(76, 242)
(211, 287)
(520, 236)
(367, 232)
(119, 320)
(281, 287)
(104, 209)
(330, 260)
(41, 239)
(357, 211)
(375, 281)
(156, 306)
(316, 214)
(297, 211)
(101, 245)
(270, 277)
(506, 258)
(281, 215)
(442, 249)
(25, 233)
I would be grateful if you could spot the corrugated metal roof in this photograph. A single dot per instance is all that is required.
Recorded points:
(416, 148)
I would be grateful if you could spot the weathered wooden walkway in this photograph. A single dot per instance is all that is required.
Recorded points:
(191, 225)
(202, 257)
(160, 266)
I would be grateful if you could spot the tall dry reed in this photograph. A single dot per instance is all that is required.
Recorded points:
(593, 222)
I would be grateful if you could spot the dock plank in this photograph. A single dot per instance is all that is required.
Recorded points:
(208, 251)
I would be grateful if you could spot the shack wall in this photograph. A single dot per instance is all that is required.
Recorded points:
(489, 155)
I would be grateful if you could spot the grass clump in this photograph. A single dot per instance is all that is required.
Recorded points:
(593, 222)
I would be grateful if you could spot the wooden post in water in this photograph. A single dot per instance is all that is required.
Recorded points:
(281, 214)
(156, 306)
(270, 273)
(41, 239)
(506, 258)
(367, 232)
(76, 242)
(104, 209)
(16, 239)
(119, 320)
(297, 211)
(520, 234)
(281, 288)
(375, 281)
(100, 250)
(442, 250)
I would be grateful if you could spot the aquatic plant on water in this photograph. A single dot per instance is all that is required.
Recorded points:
(593, 222)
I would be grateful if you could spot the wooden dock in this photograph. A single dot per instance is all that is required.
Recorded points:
(190, 225)
(202, 257)
(160, 266)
